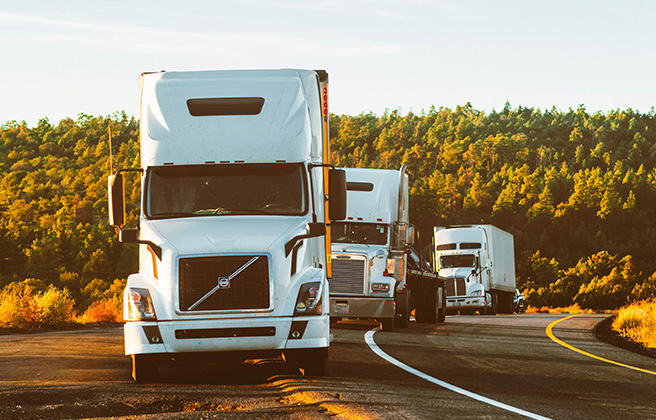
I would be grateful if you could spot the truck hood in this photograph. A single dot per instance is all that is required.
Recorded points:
(225, 234)
(455, 272)
(368, 250)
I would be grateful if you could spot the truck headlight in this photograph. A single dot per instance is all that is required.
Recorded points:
(380, 287)
(396, 268)
(140, 305)
(477, 293)
(308, 301)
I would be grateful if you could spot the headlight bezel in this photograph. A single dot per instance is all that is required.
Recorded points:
(309, 300)
(140, 304)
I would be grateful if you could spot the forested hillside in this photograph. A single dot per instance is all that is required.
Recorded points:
(577, 190)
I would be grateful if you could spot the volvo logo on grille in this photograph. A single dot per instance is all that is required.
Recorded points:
(224, 282)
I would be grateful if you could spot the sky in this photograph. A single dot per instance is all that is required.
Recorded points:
(63, 58)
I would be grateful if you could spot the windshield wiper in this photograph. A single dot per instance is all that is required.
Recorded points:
(173, 214)
(225, 211)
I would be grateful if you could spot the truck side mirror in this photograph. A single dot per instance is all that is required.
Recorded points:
(116, 200)
(411, 235)
(337, 194)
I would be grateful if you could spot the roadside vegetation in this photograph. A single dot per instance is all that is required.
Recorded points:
(572, 309)
(637, 322)
(29, 306)
(577, 190)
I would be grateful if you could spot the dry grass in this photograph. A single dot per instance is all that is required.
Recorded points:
(637, 322)
(572, 309)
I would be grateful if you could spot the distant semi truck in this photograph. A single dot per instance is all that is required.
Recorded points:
(478, 262)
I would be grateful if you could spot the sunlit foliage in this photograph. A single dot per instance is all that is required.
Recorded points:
(577, 191)
(638, 322)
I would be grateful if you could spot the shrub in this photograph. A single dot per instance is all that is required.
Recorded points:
(103, 310)
(17, 308)
(22, 307)
(56, 307)
(637, 322)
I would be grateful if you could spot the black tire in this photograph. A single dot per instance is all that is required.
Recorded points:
(493, 309)
(504, 303)
(441, 313)
(402, 320)
(431, 306)
(145, 368)
(386, 324)
(420, 309)
(313, 361)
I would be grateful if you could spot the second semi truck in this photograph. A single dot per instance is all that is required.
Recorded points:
(375, 276)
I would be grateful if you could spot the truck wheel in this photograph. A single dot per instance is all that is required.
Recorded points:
(441, 313)
(386, 324)
(432, 306)
(420, 309)
(492, 310)
(402, 320)
(313, 362)
(144, 368)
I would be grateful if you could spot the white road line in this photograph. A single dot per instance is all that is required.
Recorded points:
(369, 339)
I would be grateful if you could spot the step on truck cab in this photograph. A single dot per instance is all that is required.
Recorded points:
(234, 227)
(478, 262)
(371, 277)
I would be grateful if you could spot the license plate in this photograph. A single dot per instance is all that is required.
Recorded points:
(342, 308)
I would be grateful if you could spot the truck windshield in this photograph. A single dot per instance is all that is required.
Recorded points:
(208, 190)
(360, 233)
(453, 261)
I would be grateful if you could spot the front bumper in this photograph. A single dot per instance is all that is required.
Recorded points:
(361, 307)
(226, 335)
(465, 302)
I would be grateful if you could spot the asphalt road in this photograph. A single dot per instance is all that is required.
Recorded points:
(484, 367)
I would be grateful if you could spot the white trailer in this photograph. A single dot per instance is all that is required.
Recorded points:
(371, 276)
(478, 262)
(233, 227)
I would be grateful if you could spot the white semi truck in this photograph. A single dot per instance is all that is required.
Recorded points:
(371, 275)
(478, 262)
(234, 227)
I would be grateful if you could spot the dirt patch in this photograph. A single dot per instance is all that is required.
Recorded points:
(604, 332)
(87, 402)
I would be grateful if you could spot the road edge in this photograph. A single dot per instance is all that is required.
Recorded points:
(604, 332)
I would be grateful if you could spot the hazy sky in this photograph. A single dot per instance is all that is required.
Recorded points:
(65, 57)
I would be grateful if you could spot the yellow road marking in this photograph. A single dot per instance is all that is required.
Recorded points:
(585, 353)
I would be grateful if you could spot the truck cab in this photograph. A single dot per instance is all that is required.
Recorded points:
(233, 226)
(479, 264)
(369, 249)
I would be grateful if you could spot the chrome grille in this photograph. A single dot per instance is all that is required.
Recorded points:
(231, 282)
(349, 276)
(456, 286)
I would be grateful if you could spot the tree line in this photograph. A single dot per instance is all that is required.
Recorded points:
(577, 190)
